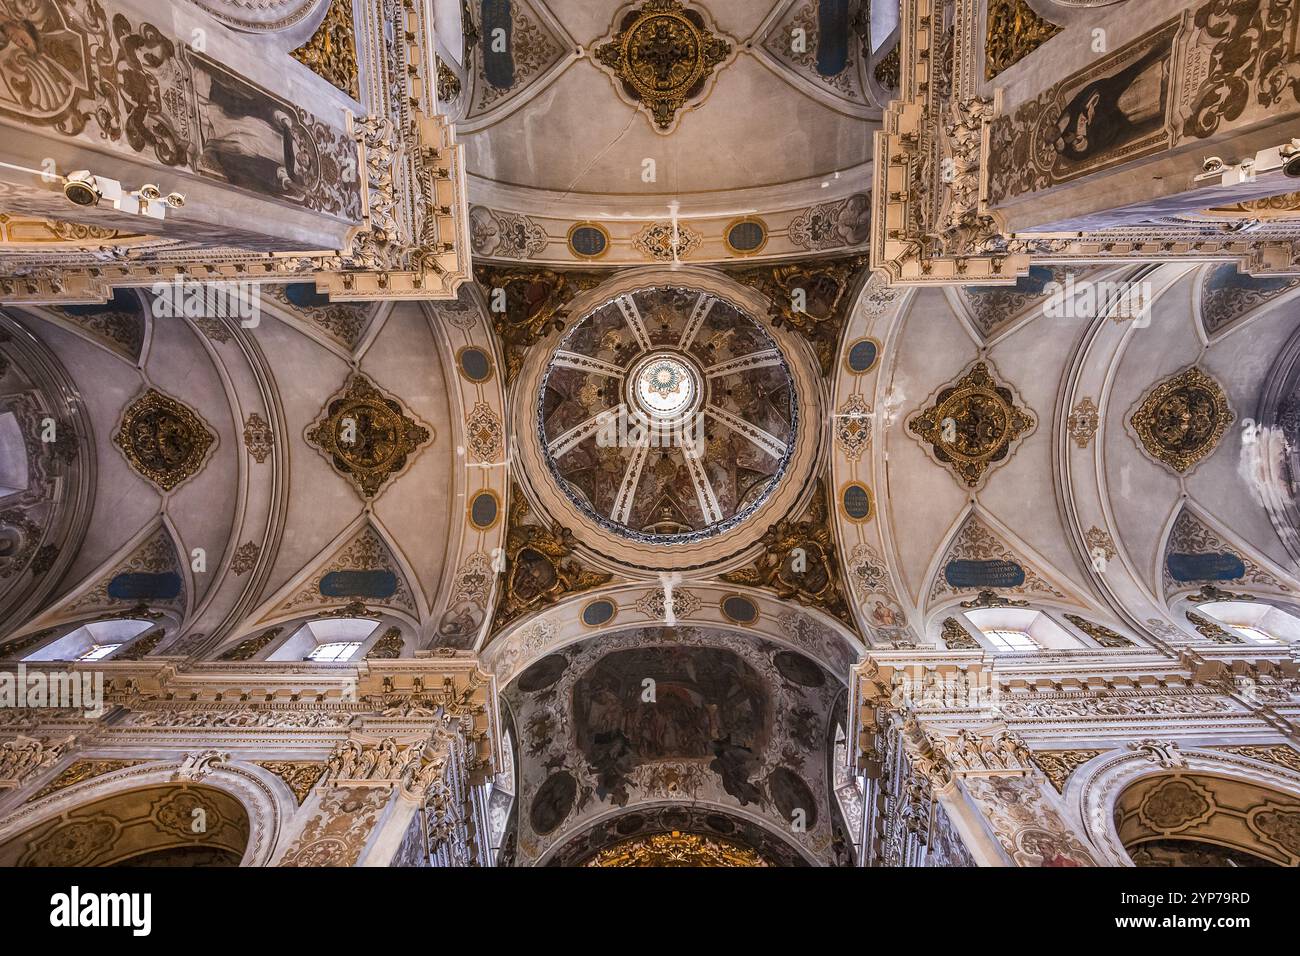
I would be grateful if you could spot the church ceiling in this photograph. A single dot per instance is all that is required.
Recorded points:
(664, 415)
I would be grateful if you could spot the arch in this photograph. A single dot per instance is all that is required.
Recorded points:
(700, 818)
(1197, 820)
(1096, 787)
(798, 628)
(265, 800)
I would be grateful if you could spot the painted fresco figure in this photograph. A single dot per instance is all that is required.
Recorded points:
(1112, 111)
(249, 139)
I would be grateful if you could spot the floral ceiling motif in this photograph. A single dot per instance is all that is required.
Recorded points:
(163, 440)
(677, 849)
(972, 425)
(1181, 421)
(663, 55)
(367, 436)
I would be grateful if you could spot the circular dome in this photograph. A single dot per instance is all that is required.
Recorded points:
(667, 415)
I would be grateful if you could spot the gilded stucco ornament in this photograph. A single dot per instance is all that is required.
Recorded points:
(1211, 631)
(800, 562)
(808, 298)
(367, 436)
(1181, 420)
(663, 56)
(331, 53)
(972, 425)
(677, 849)
(540, 567)
(531, 304)
(1059, 764)
(163, 440)
(957, 638)
(1099, 632)
(1014, 32)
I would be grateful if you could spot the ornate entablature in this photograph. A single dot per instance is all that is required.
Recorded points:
(943, 730)
(380, 197)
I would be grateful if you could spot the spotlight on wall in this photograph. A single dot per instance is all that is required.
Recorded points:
(85, 189)
(82, 188)
(1284, 159)
(1291, 160)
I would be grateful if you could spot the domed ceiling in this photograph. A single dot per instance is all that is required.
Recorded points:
(667, 415)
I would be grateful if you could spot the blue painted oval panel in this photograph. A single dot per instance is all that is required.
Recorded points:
(968, 573)
(1209, 566)
(862, 356)
(371, 584)
(143, 586)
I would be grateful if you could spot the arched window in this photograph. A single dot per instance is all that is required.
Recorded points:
(327, 641)
(1019, 630)
(501, 793)
(91, 642)
(1256, 621)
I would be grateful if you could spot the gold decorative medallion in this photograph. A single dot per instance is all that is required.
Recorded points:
(663, 56)
(972, 424)
(1182, 419)
(367, 436)
(163, 440)
(540, 567)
